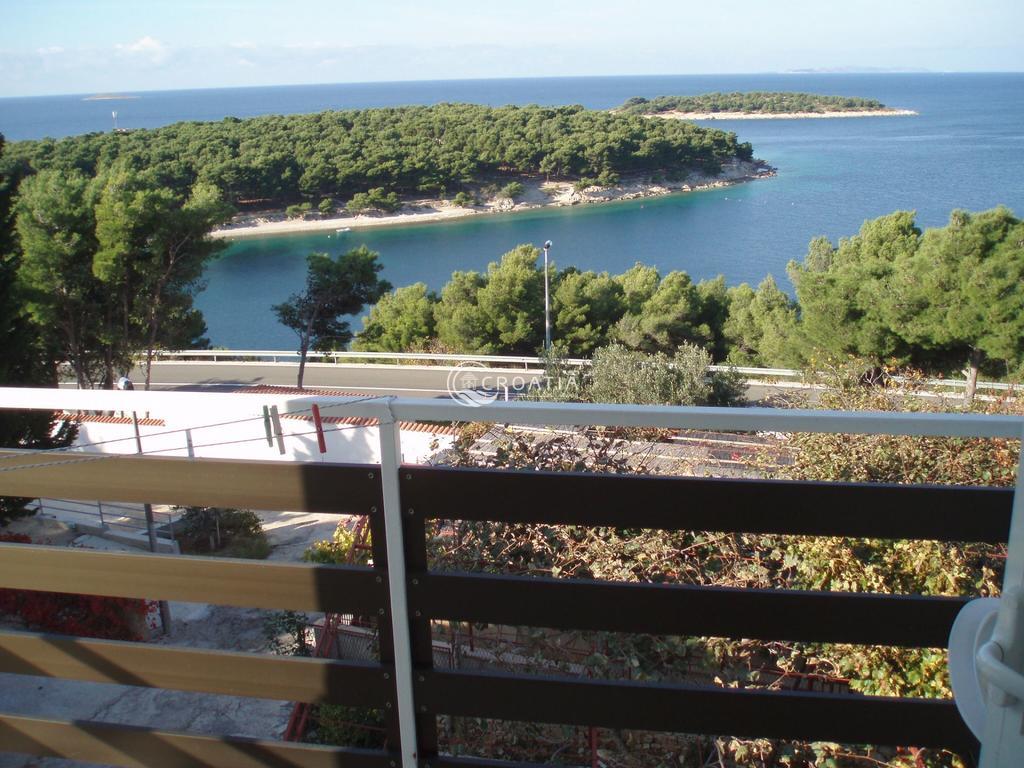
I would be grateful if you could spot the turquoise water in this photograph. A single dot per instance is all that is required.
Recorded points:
(965, 150)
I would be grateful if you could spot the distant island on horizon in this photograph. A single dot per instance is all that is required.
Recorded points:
(858, 70)
(109, 97)
(753, 105)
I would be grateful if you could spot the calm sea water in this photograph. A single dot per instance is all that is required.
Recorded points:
(964, 150)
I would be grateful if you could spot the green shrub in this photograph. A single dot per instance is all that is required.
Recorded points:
(513, 190)
(338, 551)
(225, 532)
(618, 374)
(349, 726)
(326, 207)
(886, 566)
(286, 633)
(622, 375)
(247, 548)
(376, 199)
(464, 200)
(298, 210)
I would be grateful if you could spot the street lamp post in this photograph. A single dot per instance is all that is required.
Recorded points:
(547, 301)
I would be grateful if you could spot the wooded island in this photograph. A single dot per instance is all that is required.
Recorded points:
(754, 104)
(375, 155)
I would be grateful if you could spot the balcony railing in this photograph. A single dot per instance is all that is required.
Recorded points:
(406, 595)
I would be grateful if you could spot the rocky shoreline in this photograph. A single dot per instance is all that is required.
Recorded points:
(537, 193)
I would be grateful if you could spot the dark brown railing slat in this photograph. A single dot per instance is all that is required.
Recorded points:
(767, 614)
(849, 719)
(943, 513)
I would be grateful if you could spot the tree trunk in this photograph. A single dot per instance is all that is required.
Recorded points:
(972, 377)
(149, 366)
(108, 368)
(154, 318)
(153, 330)
(303, 349)
(76, 354)
(304, 342)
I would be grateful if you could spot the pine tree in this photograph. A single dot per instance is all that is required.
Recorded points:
(26, 361)
(961, 296)
(400, 322)
(761, 329)
(845, 293)
(334, 288)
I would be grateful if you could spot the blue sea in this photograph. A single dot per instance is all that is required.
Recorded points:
(964, 150)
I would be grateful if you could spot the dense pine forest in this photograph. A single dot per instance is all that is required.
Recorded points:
(938, 299)
(276, 160)
(751, 102)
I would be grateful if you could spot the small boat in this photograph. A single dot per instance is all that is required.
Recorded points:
(343, 230)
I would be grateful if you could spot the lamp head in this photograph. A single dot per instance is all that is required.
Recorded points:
(547, 244)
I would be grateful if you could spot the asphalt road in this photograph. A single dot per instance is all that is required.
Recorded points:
(398, 380)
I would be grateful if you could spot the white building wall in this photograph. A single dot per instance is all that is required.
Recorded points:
(239, 435)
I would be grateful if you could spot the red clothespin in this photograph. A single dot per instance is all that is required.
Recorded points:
(319, 426)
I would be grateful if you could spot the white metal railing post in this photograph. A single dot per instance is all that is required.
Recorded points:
(1003, 742)
(390, 466)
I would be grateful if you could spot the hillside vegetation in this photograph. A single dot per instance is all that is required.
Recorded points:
(751, 102)
(406, 150)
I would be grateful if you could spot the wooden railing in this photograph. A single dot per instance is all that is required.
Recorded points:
(406, 596)
(341, 589)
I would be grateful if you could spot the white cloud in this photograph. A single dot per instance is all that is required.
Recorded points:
(50, 50)
(146, 47)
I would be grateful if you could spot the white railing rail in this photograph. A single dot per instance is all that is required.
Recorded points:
(1004, 741)
(529, 412)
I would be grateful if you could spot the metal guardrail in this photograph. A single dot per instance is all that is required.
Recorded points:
(276, 356)
(406, 595)
(338, 358)
(108, 514)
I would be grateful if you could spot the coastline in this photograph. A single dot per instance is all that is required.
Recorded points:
(537, 194)
(784, 115)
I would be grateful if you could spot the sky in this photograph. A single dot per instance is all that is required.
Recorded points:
(107, 46)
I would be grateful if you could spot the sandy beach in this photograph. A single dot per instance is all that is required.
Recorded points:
(783, 116)
(538, 194)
